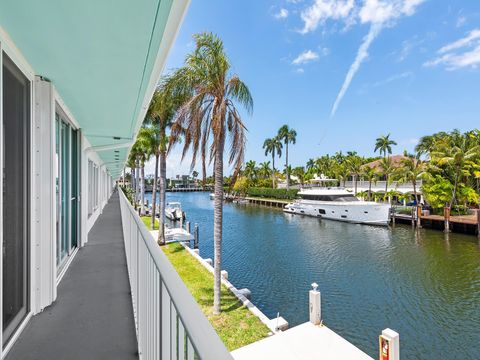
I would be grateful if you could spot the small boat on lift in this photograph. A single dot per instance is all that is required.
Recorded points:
(173, 211)
(212, 196)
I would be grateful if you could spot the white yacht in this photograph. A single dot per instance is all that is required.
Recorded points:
(338, 204)
(173, 211)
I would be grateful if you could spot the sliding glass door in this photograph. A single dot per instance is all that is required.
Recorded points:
(16, 179)
(67, 188)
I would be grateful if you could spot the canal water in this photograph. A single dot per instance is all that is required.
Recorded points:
(422, 283)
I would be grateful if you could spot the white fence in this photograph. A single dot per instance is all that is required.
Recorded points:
(169, 323)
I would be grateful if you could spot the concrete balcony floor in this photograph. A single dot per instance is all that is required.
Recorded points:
(92, 317)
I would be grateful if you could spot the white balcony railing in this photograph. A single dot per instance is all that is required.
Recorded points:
(169, 323)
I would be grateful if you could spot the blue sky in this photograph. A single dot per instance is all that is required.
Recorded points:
(413, 64)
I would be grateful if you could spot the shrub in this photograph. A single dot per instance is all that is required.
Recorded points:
(281, 194)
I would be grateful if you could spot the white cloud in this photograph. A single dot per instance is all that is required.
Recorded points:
(377, 13)
(305, 57)
(281, 14)
(472, 36)
(461, 20)
(464, 52)
(322, 10)
(392, 78)
(349, 11)
(300, 71)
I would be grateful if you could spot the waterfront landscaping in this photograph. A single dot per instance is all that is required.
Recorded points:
(235, 325)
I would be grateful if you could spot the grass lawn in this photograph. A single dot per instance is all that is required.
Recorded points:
(236, 325)
(147, 220)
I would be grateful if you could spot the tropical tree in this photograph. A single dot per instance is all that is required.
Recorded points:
(163, 106)
(299, 172)
(136, 153)
(273, 146)
(142, 150)
(264, 170)
(288, 136)
(250, 171)
(311, 166)
(210, 116)
(410, 170)
(384, 145)
(354, 164)
(386, 168)
(460, 156)
(370, 174)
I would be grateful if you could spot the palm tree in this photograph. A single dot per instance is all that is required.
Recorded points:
(273, 146)
(141, 151)
(371, 175)
(287, 135)
(387, 168)
(384, 145)
(136, 154)
(311, 165)
(460, 157)
(264, 169)
(410, 170)
(160, 114)
(354, 164)
(210, 112)
(148, 142)
(250, 170)
(299, 172)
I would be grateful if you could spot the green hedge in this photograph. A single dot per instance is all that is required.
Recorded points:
(281, 194)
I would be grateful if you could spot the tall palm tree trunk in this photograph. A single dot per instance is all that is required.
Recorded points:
(355, 180)
(414, 183)
(217, 223)
(137, 181)
(455, 185)
(154, 191)
(204, 173)
(161, 210)
(369, 189)
(286, 163)
(142, 188)
(273, 169)
(132, 178)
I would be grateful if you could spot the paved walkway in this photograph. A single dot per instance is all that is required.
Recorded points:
(92, 317)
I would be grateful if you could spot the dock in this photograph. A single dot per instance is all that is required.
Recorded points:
(468, 224)
(267, 202)
(302, 342)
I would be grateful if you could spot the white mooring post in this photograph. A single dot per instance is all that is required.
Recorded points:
(389, 345)
(315, 305)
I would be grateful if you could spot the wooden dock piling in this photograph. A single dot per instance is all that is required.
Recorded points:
(446, 216)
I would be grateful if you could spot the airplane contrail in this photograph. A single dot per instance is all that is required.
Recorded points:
(362, 54)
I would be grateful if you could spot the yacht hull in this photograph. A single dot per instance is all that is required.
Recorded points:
(354, 212)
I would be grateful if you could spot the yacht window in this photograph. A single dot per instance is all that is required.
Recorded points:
(321, 211)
